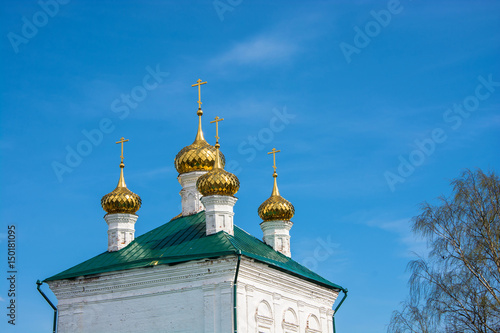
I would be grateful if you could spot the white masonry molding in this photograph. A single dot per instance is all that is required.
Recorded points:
(121, 230)
(195, 296)
(277, 235)
(219, 213)
(190, 195)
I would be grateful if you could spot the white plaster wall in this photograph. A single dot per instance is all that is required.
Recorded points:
(277, 235)
(161, 313)
(190, 297)
(195, 296)
(286, 295)
(219, 213)
(120, 230)
(190, 196)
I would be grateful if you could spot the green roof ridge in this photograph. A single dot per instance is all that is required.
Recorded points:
(184, 239)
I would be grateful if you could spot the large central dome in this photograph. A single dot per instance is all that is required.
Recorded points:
(198, 156)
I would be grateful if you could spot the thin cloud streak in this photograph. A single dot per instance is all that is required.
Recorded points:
(261, 50)
(401, 227)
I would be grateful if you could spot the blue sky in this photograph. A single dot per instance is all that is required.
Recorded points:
(375, 105)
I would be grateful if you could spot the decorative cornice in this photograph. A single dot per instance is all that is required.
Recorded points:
(277, 224)
(190, 178)
(120, 218)
(249, 288)
(264, 320)
(141, 278)
(290, 327)
(218, 200)
(251, 270)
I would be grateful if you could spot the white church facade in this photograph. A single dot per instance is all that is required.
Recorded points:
(198, 272)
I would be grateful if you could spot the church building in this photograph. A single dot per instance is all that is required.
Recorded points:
(199, 272)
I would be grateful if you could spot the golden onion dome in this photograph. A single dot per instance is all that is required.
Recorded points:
(276, 207)
(218, 181)
(198, 156)
(121, 200)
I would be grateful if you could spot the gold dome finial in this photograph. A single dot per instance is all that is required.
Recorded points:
(217, 164)
(199, 135)
(275, 174)
(198, 156)
(276, 207)
(121, 200)
(218, 181)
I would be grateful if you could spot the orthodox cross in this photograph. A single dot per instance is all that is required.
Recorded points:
(122, 140)
(274, 151)
(216, 121)
(199, 91)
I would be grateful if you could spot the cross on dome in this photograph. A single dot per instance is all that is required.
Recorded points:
(198, 156)
(121, 200)
(274, 151)
(218, 181)
(199, 91)
(122, 140)
(216, 121)
(276, 207)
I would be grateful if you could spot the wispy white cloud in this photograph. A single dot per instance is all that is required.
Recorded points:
(280, 42)
(413, 244)
(490, 121)
(260, 50)
(313, 253)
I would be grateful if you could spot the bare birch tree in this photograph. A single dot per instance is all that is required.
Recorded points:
(456, 287)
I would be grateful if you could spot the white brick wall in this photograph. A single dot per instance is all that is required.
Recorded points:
(289, 298)
(190, 197)
(195, 296)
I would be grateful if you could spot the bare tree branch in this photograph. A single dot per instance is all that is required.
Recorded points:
(456, 287)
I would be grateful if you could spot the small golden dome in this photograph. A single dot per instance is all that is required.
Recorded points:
(276, 207)
(121, 200)
(198, 156)
(218, 181)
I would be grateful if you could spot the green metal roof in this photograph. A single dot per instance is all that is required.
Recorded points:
(184, 239)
